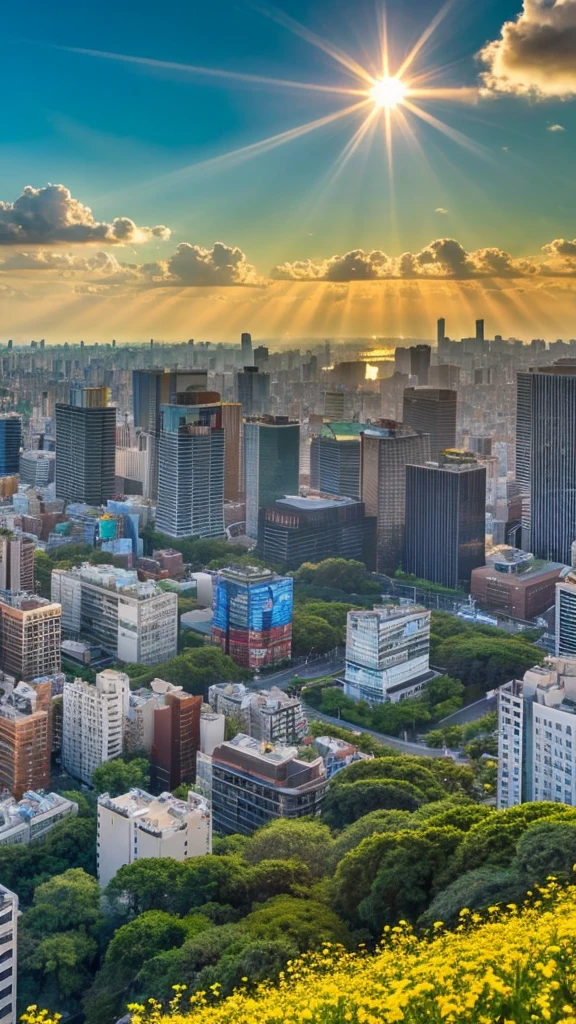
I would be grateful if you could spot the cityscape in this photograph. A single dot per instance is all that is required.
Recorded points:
(288, 521)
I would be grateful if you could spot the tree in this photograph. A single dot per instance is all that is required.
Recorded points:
(308, 924)
(346, 803)
(198, 668)
(407, 768)
(476, 890)
(494, 840)
(60, 968)
(547, 848)
(182, 966)
(339, 573)
(306, 841)
(117, 777)
(272, 878)
(66, 902)
(154, 883)
(487, 661)
(371, 824)
(312, 635)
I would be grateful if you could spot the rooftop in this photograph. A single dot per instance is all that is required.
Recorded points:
(388, 612)
(123, 581)
(158, 815)
(31, 805)
(341, 431)
(313, 504)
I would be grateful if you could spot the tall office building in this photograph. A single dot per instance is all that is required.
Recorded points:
(232, 427)
(253, 391)
(546, 459)
(334, 405)
(86, 447)
(9, 955)
(385, 453)
(479, 330)
(420, 363)
(30, 637)
(537, 736)
(271, 464)
(295, 530)
(565, 646)
(134, 621)
(252, 619)
(440, 331)
(94, 722)
(191, 471)
(445, 536)
(246, 349)
(37, 468)
(387, 653)
(25, 737)
(10, 444)
(17, 562)
(432, 411)
(335, 459)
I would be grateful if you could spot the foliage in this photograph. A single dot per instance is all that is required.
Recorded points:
(195, 669)
(70, 844)
(308, 924)
(485, 660)
(340, 573)
(118, 776)
(197, 553)
(307, 841)
(312, 634)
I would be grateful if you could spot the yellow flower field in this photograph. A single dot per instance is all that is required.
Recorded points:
(517, 966)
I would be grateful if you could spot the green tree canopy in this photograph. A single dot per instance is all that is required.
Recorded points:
(306, 923)
(117, 777)
(312, 635)
(476, 890)
(306, 841)
(65, 902)
(547, 848)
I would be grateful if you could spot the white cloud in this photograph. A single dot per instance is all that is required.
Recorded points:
(442, 210)
(535, 54)
(555, 128)
(51, 216)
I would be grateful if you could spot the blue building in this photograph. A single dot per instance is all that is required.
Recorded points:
(10, 444)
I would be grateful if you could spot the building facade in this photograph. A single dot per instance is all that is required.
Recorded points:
(565, 619)
(176, 739)
(387, 653)
(8, 955)
(252, 616)
(86, 449)
(522, 590)
(432, 411)
(271, 465)
(31, 818)
(17, 562)
(335, 459)
(94, 722)
(191, 471)
(25, 737)
(30, 637)
(253, 391)
(10, 444)
(296, 530)
(270, 716)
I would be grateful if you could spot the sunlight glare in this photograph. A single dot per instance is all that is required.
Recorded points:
(388, 93)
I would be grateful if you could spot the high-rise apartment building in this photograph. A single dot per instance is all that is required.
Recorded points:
(546, 459)
(17, 562)
(10, 443)
(335, 459)
(94, 722)
(385, 452)
(432, 411)
(176, 739)
(271, 464)
(137, 825)
(25, 737)
(387, 653)
(537, 736)
(134, 621)
(270, 716)
(30, 637)
(8, 955)
(253, 784)
(445, 534)
(252, 620)
(85, 447)
(565, 618)
(295, 530)
(253, 391)
(191, 471)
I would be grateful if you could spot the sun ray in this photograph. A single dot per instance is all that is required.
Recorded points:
(423, 39)
(451, 133)
(457, 95)
(237, 76)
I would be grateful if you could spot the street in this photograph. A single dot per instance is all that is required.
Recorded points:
(388, 741)
(327, 666)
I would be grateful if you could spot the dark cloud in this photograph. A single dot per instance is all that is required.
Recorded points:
(535, 54)
(52, 216)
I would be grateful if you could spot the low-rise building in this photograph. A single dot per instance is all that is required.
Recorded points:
(516, 584)
(31, 818)
(269, 715)
(253, 783)
(387, 652)
(138, 825)
(338, 754)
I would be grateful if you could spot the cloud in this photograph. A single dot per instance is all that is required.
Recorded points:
(222, 265)
(534, 55)
(52, 216)
(441, 209)
(555, 128)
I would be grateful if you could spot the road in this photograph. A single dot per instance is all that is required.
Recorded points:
(389, 741)
(328, 666)
(469, 713)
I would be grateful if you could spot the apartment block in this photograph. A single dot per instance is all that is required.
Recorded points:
(24, 821)
(17, 562)
(25, 737)
(94, 722)
(30, 636)
(138, 825)
(387, 652)
(191, 471)
(267, 715)
(176, 739)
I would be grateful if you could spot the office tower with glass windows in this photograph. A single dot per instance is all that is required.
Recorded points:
(252, 620)
(335, 459)
(10, 444)
(86, 447)
(271, 464)
(253, 391)
(387, 653)
(191, 471)
(432, 411)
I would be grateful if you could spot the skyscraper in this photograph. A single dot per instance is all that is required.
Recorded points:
(440, 331)
(565, 646)
(420, 363)
(253, 391)
(432, 411)
(445, 520)
(335, 459)
(10, 444)
(232, 427)
(191, 471)
(252, 619)
(546, 459)
(246, 349)
(479, 330)
(86, 447)
(385, 452)
(271, 464)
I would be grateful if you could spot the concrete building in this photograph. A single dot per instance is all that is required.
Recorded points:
(138, 825)
(266, 715)
(565, 646)
(445, 532)
(253, 391)
(386, 451)
(86, 447)
(94, 722)
(537, 736)
(516, 584)
(24, 821)
(295, 530)
(232, 427)
(420, 363)
(30, 636)
(338, 754)
(271, 464)
(432, 411)
(37, 468)
(17, 562)
(246, 349)
(191, 471)
(334, 405)
(335, 459)
(253, 783)
(8, 955)
(134, 621)
(25, 737)
(252, 615)
(10, 443)
(387, 653)
(176, 738)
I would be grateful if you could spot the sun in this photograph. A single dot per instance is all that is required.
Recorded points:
(388, 92)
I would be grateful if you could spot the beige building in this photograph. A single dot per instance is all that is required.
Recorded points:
(30, 635)
(8, 955)
(138, 825)
(94, 722)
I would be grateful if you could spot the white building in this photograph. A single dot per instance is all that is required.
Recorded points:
(138, 825)
(94, 722)
(537, 736)
(31, 818)
(8, 955)
(387, 652)
(136, 622)
(566, 617)
(268, 715)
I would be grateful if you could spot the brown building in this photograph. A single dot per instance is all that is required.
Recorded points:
(523, 595)
(176, 740)
(25, 738)
(30, 637)
(232, 426)
(16, 562)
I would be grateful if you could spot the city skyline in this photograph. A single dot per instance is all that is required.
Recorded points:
(302, 171)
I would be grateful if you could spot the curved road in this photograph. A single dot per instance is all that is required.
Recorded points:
(390, 741)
